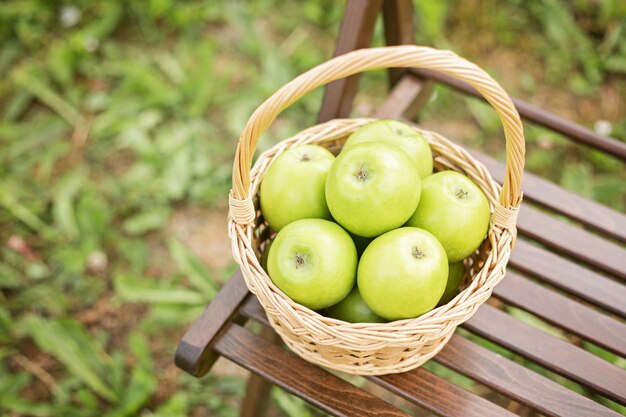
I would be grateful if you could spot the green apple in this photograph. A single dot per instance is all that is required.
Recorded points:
(372, 188)
(293, 186)
(403, 273)
(353, 310)
(455, 210)
(456, 270)
(314, 262)
(392, 132)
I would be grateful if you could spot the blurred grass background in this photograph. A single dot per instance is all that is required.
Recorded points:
(118, 122)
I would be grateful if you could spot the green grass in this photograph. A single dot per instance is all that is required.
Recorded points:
(116, 117)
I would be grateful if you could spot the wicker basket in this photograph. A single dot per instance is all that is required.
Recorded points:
(374, 348)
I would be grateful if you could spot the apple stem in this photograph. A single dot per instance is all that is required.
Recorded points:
(417, 254)
(299, 261)
(361, 174)
(461, 193)
(305, 157)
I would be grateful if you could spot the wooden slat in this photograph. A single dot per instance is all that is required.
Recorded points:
(439, 396)
(399, 30)
(194, 353)
(554, 354)
(573, 241)
(569, 276)
(515, 381)
(356, 32)
(418, 386)
(563, 312)
(311, 383)
(540, 116)
(550, 195)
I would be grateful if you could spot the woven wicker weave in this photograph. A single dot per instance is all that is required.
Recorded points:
(374, 348)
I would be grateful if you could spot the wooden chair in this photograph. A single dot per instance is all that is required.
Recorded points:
(584, 269)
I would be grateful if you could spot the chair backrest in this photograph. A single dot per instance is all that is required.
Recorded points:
(356, 32)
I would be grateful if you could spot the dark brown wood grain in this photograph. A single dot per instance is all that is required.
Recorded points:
(399, 29)
(540, 116)
(573, 241)
(515, 381)
(563, 312)
(553, 353)
(538, 190)
(311, 383)
(569, 276)
(194, 354)
(355, 32)
(439, 396)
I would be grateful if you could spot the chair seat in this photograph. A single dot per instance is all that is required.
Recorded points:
(551, 276)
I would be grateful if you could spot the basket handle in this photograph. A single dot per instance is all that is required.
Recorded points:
(241, 206)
